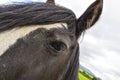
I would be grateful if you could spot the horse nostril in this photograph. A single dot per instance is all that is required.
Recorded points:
(58, 46)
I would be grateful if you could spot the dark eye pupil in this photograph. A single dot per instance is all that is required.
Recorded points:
(58, 46)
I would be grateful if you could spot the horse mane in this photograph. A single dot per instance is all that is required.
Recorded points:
(72, 73)
(16, 15)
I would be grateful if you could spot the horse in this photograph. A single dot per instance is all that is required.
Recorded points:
(39, 41)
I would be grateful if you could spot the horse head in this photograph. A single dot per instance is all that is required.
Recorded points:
(39, 41)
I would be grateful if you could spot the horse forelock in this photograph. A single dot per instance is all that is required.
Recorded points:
(33, 14)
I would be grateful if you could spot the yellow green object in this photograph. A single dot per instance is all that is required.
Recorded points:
(83, 75)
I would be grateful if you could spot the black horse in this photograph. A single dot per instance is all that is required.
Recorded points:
(39, 41)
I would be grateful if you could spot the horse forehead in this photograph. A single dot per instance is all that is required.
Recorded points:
(9, 37)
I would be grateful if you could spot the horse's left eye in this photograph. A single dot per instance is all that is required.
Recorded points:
(58, 46)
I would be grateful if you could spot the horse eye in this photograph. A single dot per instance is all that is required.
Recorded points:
(58, 46)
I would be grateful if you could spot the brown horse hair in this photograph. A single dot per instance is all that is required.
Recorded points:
(18, 15)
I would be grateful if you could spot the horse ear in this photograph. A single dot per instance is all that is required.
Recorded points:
(50, 1)
(89, 17)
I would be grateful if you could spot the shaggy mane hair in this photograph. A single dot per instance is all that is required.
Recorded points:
(15, 15)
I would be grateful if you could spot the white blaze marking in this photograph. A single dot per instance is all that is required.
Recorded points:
(9, 37)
